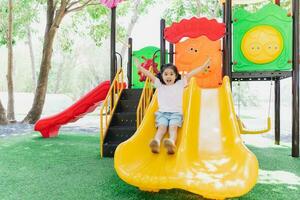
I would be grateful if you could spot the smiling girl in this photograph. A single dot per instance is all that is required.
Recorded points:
(170, 86)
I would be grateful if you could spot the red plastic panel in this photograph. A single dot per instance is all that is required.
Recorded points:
(194, 28)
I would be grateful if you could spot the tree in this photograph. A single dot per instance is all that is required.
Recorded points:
(9, 76)
(56, 11)
(29, 42)
(18, 14)
(138, 8)
(3, 119)
(180, 9)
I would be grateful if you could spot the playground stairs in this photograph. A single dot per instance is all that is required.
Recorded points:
(123, 123)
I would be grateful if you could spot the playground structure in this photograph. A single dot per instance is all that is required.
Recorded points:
(211, 160)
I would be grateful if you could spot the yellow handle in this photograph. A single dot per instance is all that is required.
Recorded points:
(245, 131)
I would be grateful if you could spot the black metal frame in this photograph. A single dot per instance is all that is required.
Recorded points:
(260, 76)
(113, 44)
(129, 63)
(121, 59)
(224, 61)
(162, 42)
(171, 53)
(270, 75)
(295, 76)
(277, 104)
(227, 51)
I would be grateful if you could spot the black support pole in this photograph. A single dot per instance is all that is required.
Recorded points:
(113, 44)
(224, 58)
(162, 42)
(228, 47)
(129, 63)
(295, 78)
(277, 103)
(277, 111)
(171, 53)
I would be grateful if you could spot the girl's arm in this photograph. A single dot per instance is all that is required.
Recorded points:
(143, 70)
(198, 69)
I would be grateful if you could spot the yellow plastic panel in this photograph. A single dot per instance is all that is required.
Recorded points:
(211, 159)
(262, 44)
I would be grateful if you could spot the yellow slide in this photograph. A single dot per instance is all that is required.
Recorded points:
(211, 159)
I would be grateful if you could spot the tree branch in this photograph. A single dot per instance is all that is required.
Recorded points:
(198, 8)
(72, 4)
(86, 3)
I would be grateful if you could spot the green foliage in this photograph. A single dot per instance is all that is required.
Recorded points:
(181, 9)
(96, 12)
(145, 5)
(99, 32)
(24, 13)
(65, 40)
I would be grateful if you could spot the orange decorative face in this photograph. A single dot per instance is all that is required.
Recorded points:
(192, 53)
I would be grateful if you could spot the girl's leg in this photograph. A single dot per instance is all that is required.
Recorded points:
(155, 143)
(170, 143)
(173, 133)
(161, 131)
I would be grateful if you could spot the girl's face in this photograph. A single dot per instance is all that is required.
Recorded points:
(169, 76)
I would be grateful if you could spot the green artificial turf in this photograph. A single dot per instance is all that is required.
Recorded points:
(69, 167)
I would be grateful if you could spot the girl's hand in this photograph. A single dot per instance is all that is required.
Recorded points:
(207, 63)
(137, 63)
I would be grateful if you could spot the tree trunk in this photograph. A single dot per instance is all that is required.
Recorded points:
(9, 76)
(59, 76)
(31, 58)
(216, 10)
(3, 119)
(133, 21)
(53, 22)
(198, 2)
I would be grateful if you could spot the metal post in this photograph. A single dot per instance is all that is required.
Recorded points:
(171, 53)
(277, 103)
(228, 47)
(295, 80)
(113, 44)
(162, 42)
(224, 57)
(277, 111)
(129, 63)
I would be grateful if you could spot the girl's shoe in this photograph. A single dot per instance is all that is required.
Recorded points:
(170, 146)
(154, 145)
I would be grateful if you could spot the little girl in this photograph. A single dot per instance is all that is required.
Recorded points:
(170, 87)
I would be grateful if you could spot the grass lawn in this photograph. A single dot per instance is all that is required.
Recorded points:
(68, 167)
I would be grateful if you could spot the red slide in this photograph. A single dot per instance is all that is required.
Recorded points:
(49, 126)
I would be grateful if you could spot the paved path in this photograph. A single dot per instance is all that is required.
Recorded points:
(25, 129)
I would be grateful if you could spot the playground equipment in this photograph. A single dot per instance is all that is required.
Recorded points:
(262, 40)
(211, 159)
(145, 56)
(50, 126)
(242, 127)
(205, 163)
(276, 58)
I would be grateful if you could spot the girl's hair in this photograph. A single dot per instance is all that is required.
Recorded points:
(168, 66)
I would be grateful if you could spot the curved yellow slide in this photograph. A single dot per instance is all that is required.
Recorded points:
(211, 159)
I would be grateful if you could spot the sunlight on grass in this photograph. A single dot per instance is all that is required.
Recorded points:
(262, 142)
(278, 177)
